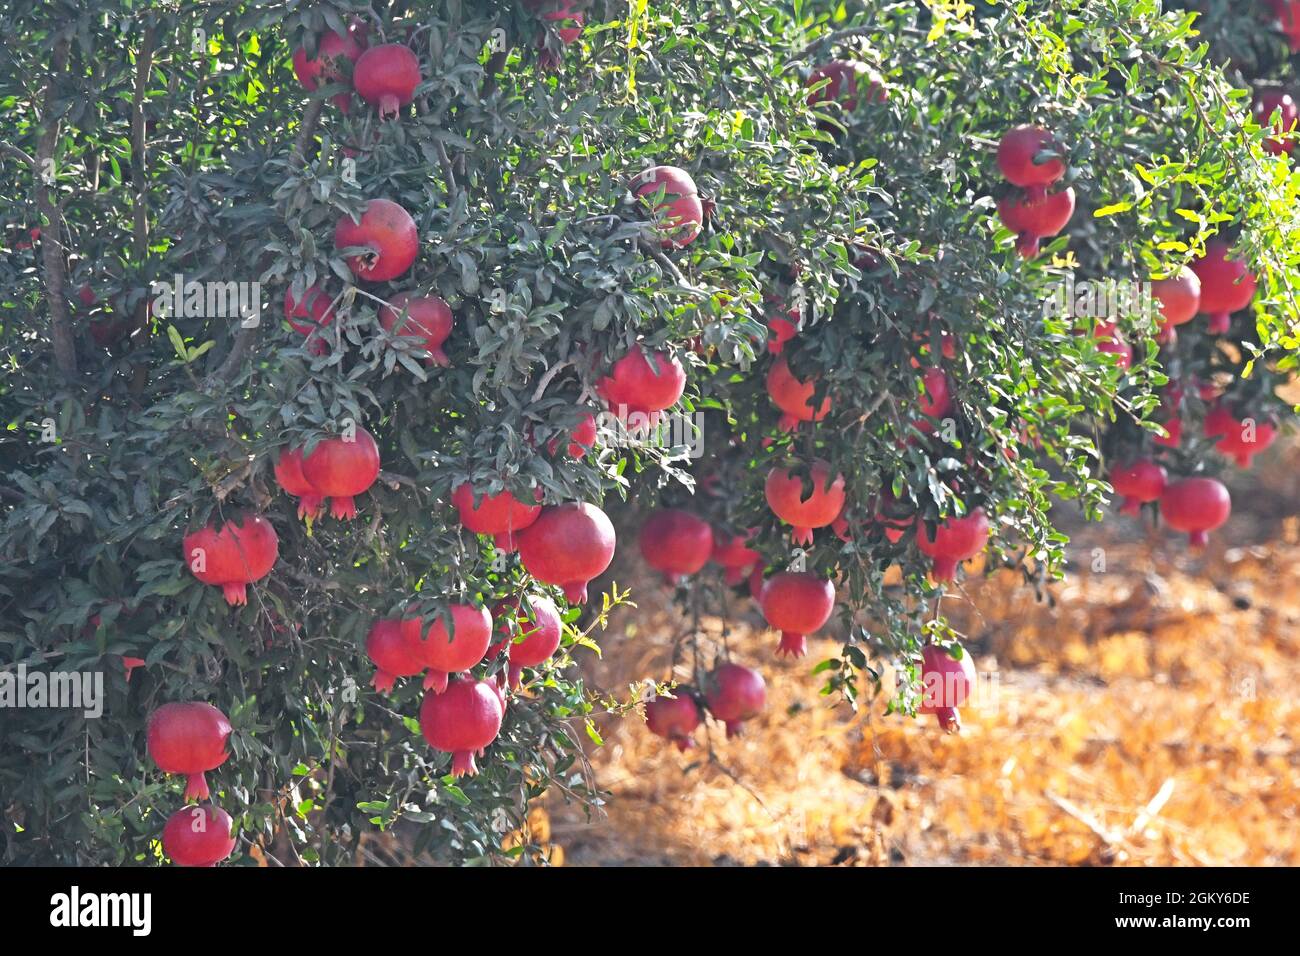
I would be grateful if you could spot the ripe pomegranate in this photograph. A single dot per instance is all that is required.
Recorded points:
(501, 515)
(428, 320)
(676, 542)
(288, 474)
(782, 329)
(733, 553)
(822, 506)
(1032, 219)
(735, 694)
(1197, 506)
(581, 439)
(570, 22)
(794, 397)
(541, 627)
(387, 76)
(395, 651)
(387, 232)
(331, 51)
(674, 718)
(446, 654)
(1288, 16)
(1179, 297)
(340, 470)
(1017, 154)
(946, 684)
(239, 554)
(954, 540)
(568, 545)
(314, 306)
(1139, 482)
(643, 384)
(1241, 439)
(1270, 101)
(845, 80)
(198, 836)
(796, 603)
(1111, 341)
(679, 214)
(1227, 286)
(936, 399)
(188, 738)
(462, 721)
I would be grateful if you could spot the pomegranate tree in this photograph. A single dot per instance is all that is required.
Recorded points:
(796, 603)
(463, 721)
(189, 738)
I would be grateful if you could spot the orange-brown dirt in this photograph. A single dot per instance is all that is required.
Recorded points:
(1148, 717)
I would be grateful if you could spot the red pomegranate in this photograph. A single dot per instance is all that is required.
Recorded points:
(794, 397)
(568, 545)
(735, 694)
(644, 384)
(1017, 158)
(288, 474)
(341, 469)
(1227, 286)
(1032, 219)
(954, 541)
(446, 654)
(796, 603)
(1179, 297)
(462, 721)
(733, 553)
(242, 552)
(428, 320)
(395, 651)
(581, 440)
(822, 506)
(1239, 438)
(387, 232)
(674, 718)
(386, 76)
(331, 51)
(781, 328)
(1288, 16)
(314, 307)
(936, 399)
(1111, 341)
(1270, 101)
(569, 22)
(188, 738)
(946, 684)
(1196, 506)
(541, 628)
(678, 212)
(846, 79)
(676, 542)
(1139, 482)
(501, 515)
(198, 836)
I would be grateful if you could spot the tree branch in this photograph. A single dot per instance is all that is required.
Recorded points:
(65, 347)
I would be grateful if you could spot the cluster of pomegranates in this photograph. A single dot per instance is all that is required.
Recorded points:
(189, 738)
(1031, 159)
(731, 694)
(385, 76)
